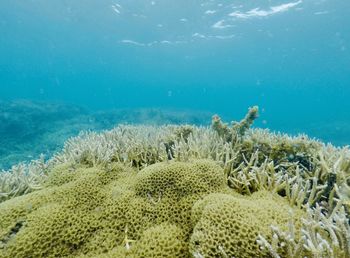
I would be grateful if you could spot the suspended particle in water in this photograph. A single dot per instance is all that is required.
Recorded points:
(57, 81)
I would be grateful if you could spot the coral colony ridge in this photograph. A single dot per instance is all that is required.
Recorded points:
(180, 191)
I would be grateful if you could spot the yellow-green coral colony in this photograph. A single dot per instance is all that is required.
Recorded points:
(180, 191)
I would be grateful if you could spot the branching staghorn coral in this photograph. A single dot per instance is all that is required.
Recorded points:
(262, 160)
(322, 235)
(300, 186)
(238, 129)
(334, 164)
(140, 146)
(250, 176)
(22, 179)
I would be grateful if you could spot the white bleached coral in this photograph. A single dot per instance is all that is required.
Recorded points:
(22, 179)
(322, 234)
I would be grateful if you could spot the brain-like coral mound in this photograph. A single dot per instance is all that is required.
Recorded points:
(179, 179)
(173, 187)
(164, 240)
(58, 220)
(90, 211)
(169, 209)
(228, 226)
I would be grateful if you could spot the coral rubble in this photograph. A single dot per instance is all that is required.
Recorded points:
(180, 191)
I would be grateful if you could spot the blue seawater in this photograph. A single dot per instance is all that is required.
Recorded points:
(289, 57)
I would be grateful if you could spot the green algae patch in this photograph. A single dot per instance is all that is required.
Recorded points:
(115, 211)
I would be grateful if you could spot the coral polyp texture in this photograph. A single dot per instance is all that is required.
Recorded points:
(180, 191)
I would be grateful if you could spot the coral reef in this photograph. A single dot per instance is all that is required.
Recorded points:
(26, 126)
(180, 191)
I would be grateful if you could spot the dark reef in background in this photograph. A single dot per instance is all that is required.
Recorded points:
(29, 128)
